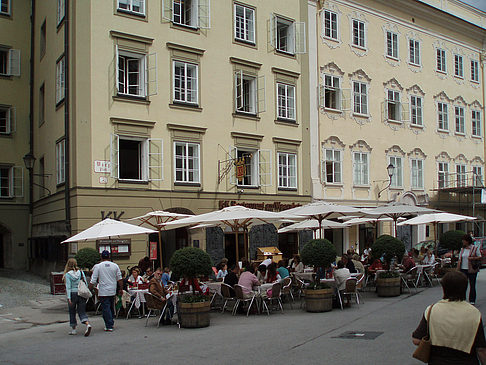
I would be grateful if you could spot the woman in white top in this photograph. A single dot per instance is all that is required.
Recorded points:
(135, 279)
(429, 259)
(222, 272)
(469, 263)
(297, 265)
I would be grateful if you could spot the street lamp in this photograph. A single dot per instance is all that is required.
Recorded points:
(390, 170)
(29, 161)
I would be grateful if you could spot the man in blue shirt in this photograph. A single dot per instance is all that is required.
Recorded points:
(165, 277)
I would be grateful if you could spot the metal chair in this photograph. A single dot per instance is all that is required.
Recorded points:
(360, 285)
(153, 304)
(433, 273)
(240, 298)
(287, 289)
(410, 277)
(226, 294)
(275, 297)
(350, 289)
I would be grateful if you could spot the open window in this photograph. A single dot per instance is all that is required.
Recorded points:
(252, 167)
(287, 36)
(249, 93)
(394, 109)
(5, 7)
(188, 13)
(11, 182)
(136, 73)
(7, 120)
(9, 62)
(331, 166)
(332, 96)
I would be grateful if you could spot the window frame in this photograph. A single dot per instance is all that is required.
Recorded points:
(441, 60)
(60, 161)
(245, 24)
(459, 119)
(291, 37)
(417, 173)
(459, 66)
(474, 71)
(361, 33)
(416, 45)
(8, 110)
(461, 175)
(60, 79)
(287, 167)
(360, 95)
(476, 175)
(194, 17)
(362, 172)
(444, 172)
(141, 60)
(252, 94)
(337, 166)
(289, 105)
(414, 110)
(398, 105)
(476, 123)
(61, 11)
(184, 90)
(8, 179)
(397, 162)
(332, 88)
(185, 171)
(443, 110)
(331, 22)
(130, 10)
(9, 7)
(15, 181)
(394, 43)
(143, 159)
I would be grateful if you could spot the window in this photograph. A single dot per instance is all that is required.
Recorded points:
(132, 159)
(60, 74)
(443, 117)
(332, 92)
(332, 166)
(392, 44)
(43, 40)
(286, 101)
(416, 110)
(360, 98)
(131, 74)
(443, 174)
(11, 181)
(461, 177)
(359, 33)
(414, 48)
(61, 6)
(186, 162)
(245, 93)
(250, 163)
(60, 161)
(185, 12)
(189, 13)
(4, 182)
(136, 7)
(476, 123)
(9, 62)
(5, 7)
(287, 170)
(285, 35)
(417, 174)
(361, 168)
(478, 175)
(42, 104)
(474, 70)
(441, 60)
(185, 82)
(459, 114)
(393, 106)
(7, 119)
(458, 66)
(397, 177)
(330, 25)
(244, 24)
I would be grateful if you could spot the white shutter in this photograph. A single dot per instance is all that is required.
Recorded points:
(204, 14)
(151, 74)
(116, 64)
(265, 167)
(17, 190)
(167, 9)
(272, 30)
(155, 159)
(260, 93)
(384, 109)
(323, 171)
(300, 41)
(232, 160)
(114, 155)
(321, 92)
(345, 99)
(14, 62)
(405, 110)
(12, 118)
(238, 88)
(291, 38)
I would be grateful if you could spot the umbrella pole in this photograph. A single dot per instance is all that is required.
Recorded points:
(237, 250)
(245, 242)
(160, 248)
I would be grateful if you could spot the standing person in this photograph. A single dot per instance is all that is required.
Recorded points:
(71, 277)
(455, 327)
(107, 275)
(469, 263)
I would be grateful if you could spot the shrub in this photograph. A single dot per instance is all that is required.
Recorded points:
(317, 286)
(318, 253)
(191, 262)
(388, 275)
(452, 240)
(87, 257)
(388, 247)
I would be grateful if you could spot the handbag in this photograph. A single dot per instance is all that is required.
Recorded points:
(422, 352)
(476, 264)
(83, 290)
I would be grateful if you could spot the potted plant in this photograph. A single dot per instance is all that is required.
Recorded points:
(87, 258)
(452, 240)
(189, 263)
(388, 247)
(319, 253)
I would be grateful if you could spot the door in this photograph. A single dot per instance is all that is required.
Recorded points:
(230, 247)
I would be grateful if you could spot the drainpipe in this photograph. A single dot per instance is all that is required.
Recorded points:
(31, 129)
(67, 198)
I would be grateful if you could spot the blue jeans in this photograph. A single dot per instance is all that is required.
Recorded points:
(108, 310)
(472, 284)
(169, 312)
(78, 304)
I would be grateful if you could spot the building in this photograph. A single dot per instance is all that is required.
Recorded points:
(400, 83)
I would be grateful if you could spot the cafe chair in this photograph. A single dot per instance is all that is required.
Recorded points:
(349, 290)
(227, 297)
(287, 289)
(275, 297)
(359, 285)
(434, 273)
(240, 298)
(155, 304)
(410, 278)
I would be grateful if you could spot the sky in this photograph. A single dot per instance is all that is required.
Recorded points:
(480, 4)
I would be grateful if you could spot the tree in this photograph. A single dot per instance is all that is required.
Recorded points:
(87, 258)
(318, 253)
(388, 247)
(191, 262)
(452, 240)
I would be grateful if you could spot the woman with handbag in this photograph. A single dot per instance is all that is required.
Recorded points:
(76, 303)
(451, 330)
(469, 263)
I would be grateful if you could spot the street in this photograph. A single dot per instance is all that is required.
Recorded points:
(383, 325)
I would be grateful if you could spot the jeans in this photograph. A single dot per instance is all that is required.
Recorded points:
(108, 310)
(472, 284)
(77, 304)
(169, 312)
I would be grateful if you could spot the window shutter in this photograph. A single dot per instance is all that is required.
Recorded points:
(345, 99)
(260, 93)
(272, 34)
(405, 111)
(232, 159)
(116, 67)
(151, 74)
(265, 167)
(17, 190)
(114, 156)
(321, 92)
(291, 36)
(238, 89)
(300, 39)
(12, 118)
(323, 171)
(204, 14)
(167, 9)
(155, 159)
(384, 109)
(14, 62)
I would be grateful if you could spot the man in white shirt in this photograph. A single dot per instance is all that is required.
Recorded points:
(341, 274)
(267, 261)
(107, 275)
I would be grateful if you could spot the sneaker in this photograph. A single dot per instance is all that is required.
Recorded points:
(72, 332)
(88, 330)
(472, 303)
(108, 329)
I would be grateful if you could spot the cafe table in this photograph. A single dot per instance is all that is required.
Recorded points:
(138, 299)
(422, 270)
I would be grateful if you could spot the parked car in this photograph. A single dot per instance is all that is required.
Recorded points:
(481, 242)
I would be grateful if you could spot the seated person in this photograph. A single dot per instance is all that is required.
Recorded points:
(149, 274)
(282, 270)
(267, 261)
(135, 279)
(415, 256)
(341, 274)
(144, 264)
(297, 265)
(375, 266)
(357, 264)
(232, 278)
(261, 273)
(407, 263)
(272, 273)
(193, 285)
(429, 259)
(248, 280)
(222, 272)
(348, 263)
(156, 289)
(245, 264)
(165, 277)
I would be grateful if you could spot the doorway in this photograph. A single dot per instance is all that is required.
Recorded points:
(230, 247)
(288, 244)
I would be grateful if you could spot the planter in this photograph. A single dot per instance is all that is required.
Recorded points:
(193, 315)
(319, 300)
(389, 287)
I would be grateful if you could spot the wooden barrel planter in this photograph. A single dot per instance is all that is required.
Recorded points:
(193, 315)
(319, 300)
(388, 287)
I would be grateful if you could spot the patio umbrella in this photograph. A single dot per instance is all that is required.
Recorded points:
(158, 219)
(108, 228)
(311, 224)
(236, 217)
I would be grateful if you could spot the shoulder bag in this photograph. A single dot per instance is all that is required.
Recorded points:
(475, 264)
(422, 352)
(83, 290)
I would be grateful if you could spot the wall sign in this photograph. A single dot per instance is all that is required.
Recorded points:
(153, 251)
(119, 248)
(272, 207)
(102, 166)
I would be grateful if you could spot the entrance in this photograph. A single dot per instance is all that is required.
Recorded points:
(172, 241)
(288, 243)
(366, 236)
(230, 247)
(2, 253)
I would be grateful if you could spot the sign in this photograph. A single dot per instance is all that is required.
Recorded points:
(103, 180)
(117, 247)
(153, 251)
(102, 166)
(272, 207)
(240, 169)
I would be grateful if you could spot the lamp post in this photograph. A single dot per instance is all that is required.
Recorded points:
(390, 170)
(29, 161)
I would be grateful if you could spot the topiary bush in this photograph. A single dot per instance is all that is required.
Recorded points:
(388, 247)
(191, 262)
(87, 258)
(318, 253)
(452, 240)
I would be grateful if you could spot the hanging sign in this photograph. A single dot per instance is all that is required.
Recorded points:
(153, 251)
(240, 169)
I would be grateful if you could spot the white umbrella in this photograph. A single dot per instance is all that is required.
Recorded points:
(356, 221)
(108, 228)
(236, 217)
(311, 224)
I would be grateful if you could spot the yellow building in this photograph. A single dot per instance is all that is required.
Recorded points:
(400, 83)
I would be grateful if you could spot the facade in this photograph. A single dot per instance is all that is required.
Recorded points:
(400, 83)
